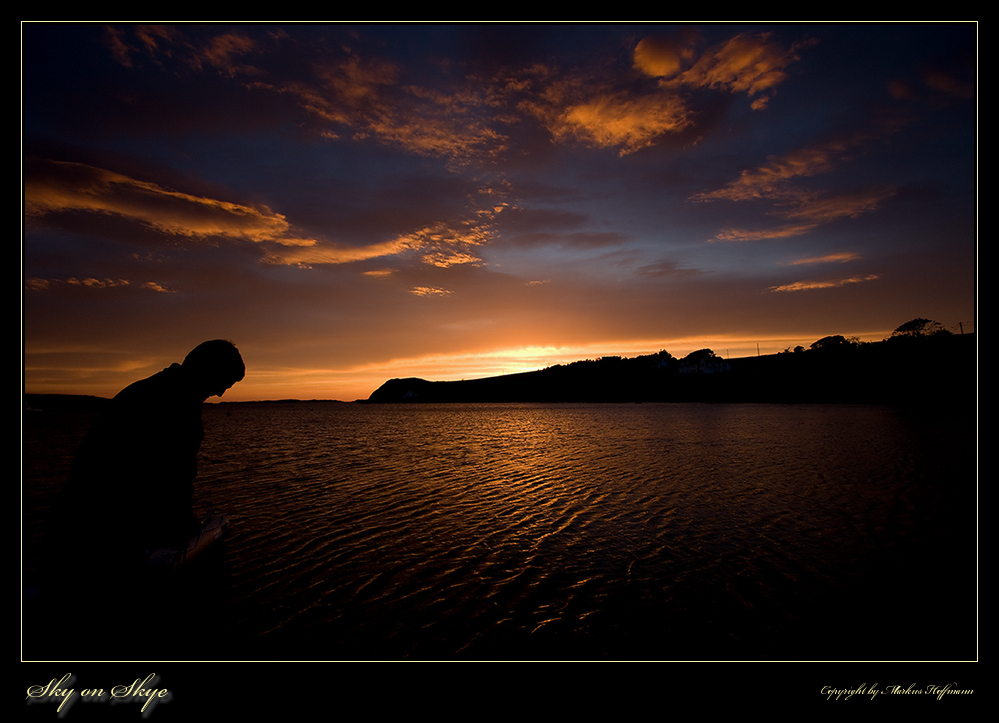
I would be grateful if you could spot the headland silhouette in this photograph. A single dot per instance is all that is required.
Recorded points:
(920, 367)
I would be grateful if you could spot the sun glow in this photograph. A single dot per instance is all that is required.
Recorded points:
(358, 382)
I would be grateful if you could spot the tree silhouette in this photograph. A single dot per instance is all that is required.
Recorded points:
(918, 327)
(833, 342)
(700, 356)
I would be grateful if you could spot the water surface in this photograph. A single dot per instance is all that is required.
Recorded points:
(651, 531)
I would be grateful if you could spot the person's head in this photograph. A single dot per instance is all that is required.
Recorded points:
(215, 365)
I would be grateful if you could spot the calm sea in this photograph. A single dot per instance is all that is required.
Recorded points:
(640, 531)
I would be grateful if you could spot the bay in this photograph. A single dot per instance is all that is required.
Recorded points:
(563, 532)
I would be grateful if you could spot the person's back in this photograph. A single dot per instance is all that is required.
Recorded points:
(130, 486)
(129, 492)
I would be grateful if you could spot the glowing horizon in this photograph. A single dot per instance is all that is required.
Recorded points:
(350, 204)
(263, 384)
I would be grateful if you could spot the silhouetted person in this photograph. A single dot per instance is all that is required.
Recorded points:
(130, 486)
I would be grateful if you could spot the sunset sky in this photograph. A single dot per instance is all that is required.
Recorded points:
(351, 203)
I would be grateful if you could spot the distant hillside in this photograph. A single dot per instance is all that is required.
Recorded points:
(919, 370)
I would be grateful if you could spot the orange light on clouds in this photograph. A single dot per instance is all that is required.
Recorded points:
(373, 202)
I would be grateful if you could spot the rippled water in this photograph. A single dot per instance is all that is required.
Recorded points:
(657, 531)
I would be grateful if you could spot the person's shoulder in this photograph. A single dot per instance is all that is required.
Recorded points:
(162, 383)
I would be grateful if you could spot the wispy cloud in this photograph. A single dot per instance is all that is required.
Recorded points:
(808, 213)
(222, 51)
(38, 284)
(346, 91)
(380, 273)
(779, 182)
(429, 291)
(836, 258)
(751, 63)
(822, 210)
(442, 244)
(778, 232)
(811, 285)
(142, 40)
(327, 253)
(366, 98)
(773, 180)
(53, 187)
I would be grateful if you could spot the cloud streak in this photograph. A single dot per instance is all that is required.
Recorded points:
(832, 284)
(836, 258)
(779, 182)
(54, 187)
(750, 63)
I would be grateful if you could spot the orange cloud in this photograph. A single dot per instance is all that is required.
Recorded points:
(605, 113)
(810, 213)
(809, 285)
(827, 259)
(776, 181)
(336, 254)
(788, 231)
(663, 57)
(442, 244)
(748, 63)
(598, 111)
(444, 259)
(97, 283)
(364, 98)
(54, 186)
(827, 209)
(771, 180)
(429, 291)
(620, 121)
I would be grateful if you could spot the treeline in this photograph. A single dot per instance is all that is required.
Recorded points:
(919, 364)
